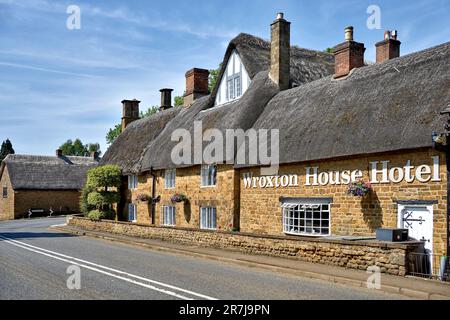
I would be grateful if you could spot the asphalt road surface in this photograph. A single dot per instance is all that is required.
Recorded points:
(40, 263)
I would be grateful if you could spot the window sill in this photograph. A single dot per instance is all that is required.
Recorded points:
(208, 186)
(307, 234)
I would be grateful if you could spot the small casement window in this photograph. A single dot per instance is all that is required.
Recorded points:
(132, 212)
(209, 175)
(312, 219)
(169, 179)
(132, 182)
(5, 192)
(234, 87)
(168, 215)
(208, 218)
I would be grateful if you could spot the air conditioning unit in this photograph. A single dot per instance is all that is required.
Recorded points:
(392, 235)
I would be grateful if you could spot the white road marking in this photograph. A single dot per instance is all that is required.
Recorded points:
(85, 264)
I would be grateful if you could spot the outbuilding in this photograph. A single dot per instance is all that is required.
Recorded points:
(42, 184)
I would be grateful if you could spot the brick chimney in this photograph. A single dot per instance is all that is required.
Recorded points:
(166, 99)
(389, 48)
(348, 55)
(280, 52)
(196, 85)
(59, 153)
(130, 112)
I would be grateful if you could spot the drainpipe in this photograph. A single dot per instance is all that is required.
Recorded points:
(441, 142)
(152, 173)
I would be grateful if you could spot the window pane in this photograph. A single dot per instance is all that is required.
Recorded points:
(307, 219)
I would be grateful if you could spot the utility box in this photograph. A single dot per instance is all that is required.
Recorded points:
(392, 235)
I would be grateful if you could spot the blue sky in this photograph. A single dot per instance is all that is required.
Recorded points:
(58, 84)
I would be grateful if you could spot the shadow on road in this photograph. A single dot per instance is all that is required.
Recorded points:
(31, 235)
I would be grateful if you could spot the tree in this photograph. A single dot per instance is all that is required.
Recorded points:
(77, 148)
(329, 50)
(113, 133)
(179, 101)
(213, 77)
(149, 112)
(6, 149)
(101, 192)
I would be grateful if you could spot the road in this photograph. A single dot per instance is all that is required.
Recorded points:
(34, 262)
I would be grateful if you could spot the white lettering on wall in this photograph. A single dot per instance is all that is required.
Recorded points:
(379, 173)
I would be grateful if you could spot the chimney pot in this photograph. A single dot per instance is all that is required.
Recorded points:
(197, 85)
(59, 153)
(389, 48)
(349, 33)
(348, 55)
(166, 99)
(280, 52)
(130, 112)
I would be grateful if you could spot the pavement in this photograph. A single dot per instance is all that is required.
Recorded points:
(38, 261)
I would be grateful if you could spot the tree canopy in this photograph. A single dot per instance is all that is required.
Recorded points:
(77, 148)
(6, 149)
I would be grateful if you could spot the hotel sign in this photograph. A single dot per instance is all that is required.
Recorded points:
(380, 172)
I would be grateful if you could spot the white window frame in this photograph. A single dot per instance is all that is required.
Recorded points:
(132, 212)
(170, 178)
(5, 192)
(168, 216)
(208, 177)
(208, 218)
(132, 182)
(306, 218)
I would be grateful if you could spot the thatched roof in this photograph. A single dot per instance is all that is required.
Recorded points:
(306, 65)
(129, 146)
(382, 107)
(46, 172)
(388, 106)
(238, 115)
(147, 142)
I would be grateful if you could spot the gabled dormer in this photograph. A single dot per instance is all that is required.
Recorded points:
(234, 82)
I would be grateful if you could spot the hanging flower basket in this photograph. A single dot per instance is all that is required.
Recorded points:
(142, 197)
(178, 198)
(359, 188)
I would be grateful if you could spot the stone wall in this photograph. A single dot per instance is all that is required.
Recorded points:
(6, 204)
(390, 257)
(260, 209)
(60, 201)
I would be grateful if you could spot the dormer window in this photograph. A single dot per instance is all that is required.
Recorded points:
(235, 81)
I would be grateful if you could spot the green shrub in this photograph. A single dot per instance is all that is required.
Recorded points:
(102, 199)
(85, 207)
(99, 215)
(96, 199)
(104, 177)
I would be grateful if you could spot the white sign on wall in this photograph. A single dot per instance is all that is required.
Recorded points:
(380, 172)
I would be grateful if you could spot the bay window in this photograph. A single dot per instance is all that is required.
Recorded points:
(306, 218)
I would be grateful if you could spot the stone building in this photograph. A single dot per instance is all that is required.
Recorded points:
(339, 120)
(42, 183)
